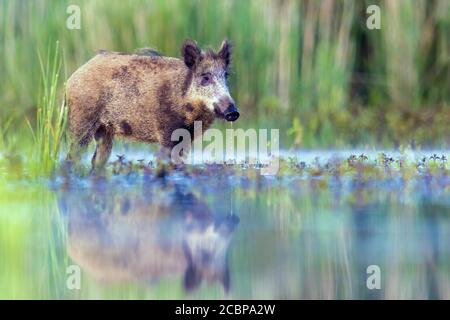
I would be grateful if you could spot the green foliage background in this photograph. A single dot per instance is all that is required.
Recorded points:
(311, 68)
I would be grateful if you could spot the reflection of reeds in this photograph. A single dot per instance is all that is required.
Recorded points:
(32, 232)
(327, 256)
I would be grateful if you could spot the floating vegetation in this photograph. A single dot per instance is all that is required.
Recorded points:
(360, 168)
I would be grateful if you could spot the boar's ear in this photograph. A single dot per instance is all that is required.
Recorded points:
(225, 51)
(191, 52)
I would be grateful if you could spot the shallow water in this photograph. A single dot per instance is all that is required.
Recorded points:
(216, 235)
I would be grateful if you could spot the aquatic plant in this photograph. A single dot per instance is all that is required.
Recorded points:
(51, 114)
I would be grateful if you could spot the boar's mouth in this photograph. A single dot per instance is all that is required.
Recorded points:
(219, 114)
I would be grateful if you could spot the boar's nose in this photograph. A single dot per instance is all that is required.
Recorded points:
(231, 113)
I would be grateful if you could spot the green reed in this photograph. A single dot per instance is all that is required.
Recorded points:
(51, 114)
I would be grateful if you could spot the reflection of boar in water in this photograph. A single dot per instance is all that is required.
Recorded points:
(123, 237)
(146, 97)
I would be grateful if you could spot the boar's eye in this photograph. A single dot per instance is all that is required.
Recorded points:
(206, 79)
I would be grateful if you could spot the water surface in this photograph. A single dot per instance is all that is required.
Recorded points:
(212, 234)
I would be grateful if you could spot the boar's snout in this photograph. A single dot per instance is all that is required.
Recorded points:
(231, 113)
(226, 109)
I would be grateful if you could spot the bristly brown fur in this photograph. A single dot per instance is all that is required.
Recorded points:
(142, 97)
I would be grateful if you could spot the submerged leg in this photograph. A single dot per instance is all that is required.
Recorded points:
(104, 137)
(174, 152)
(163, 154)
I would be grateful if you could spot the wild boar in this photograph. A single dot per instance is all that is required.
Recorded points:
(145, 97)
(131, 236)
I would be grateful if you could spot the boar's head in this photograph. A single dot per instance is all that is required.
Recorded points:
(208, 73)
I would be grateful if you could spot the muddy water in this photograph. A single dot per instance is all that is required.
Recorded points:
(215, 235)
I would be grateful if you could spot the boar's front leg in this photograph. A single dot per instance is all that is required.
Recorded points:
(104, 137)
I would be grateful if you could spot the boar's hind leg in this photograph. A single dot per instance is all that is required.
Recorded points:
(78, 145)
(104, 137)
